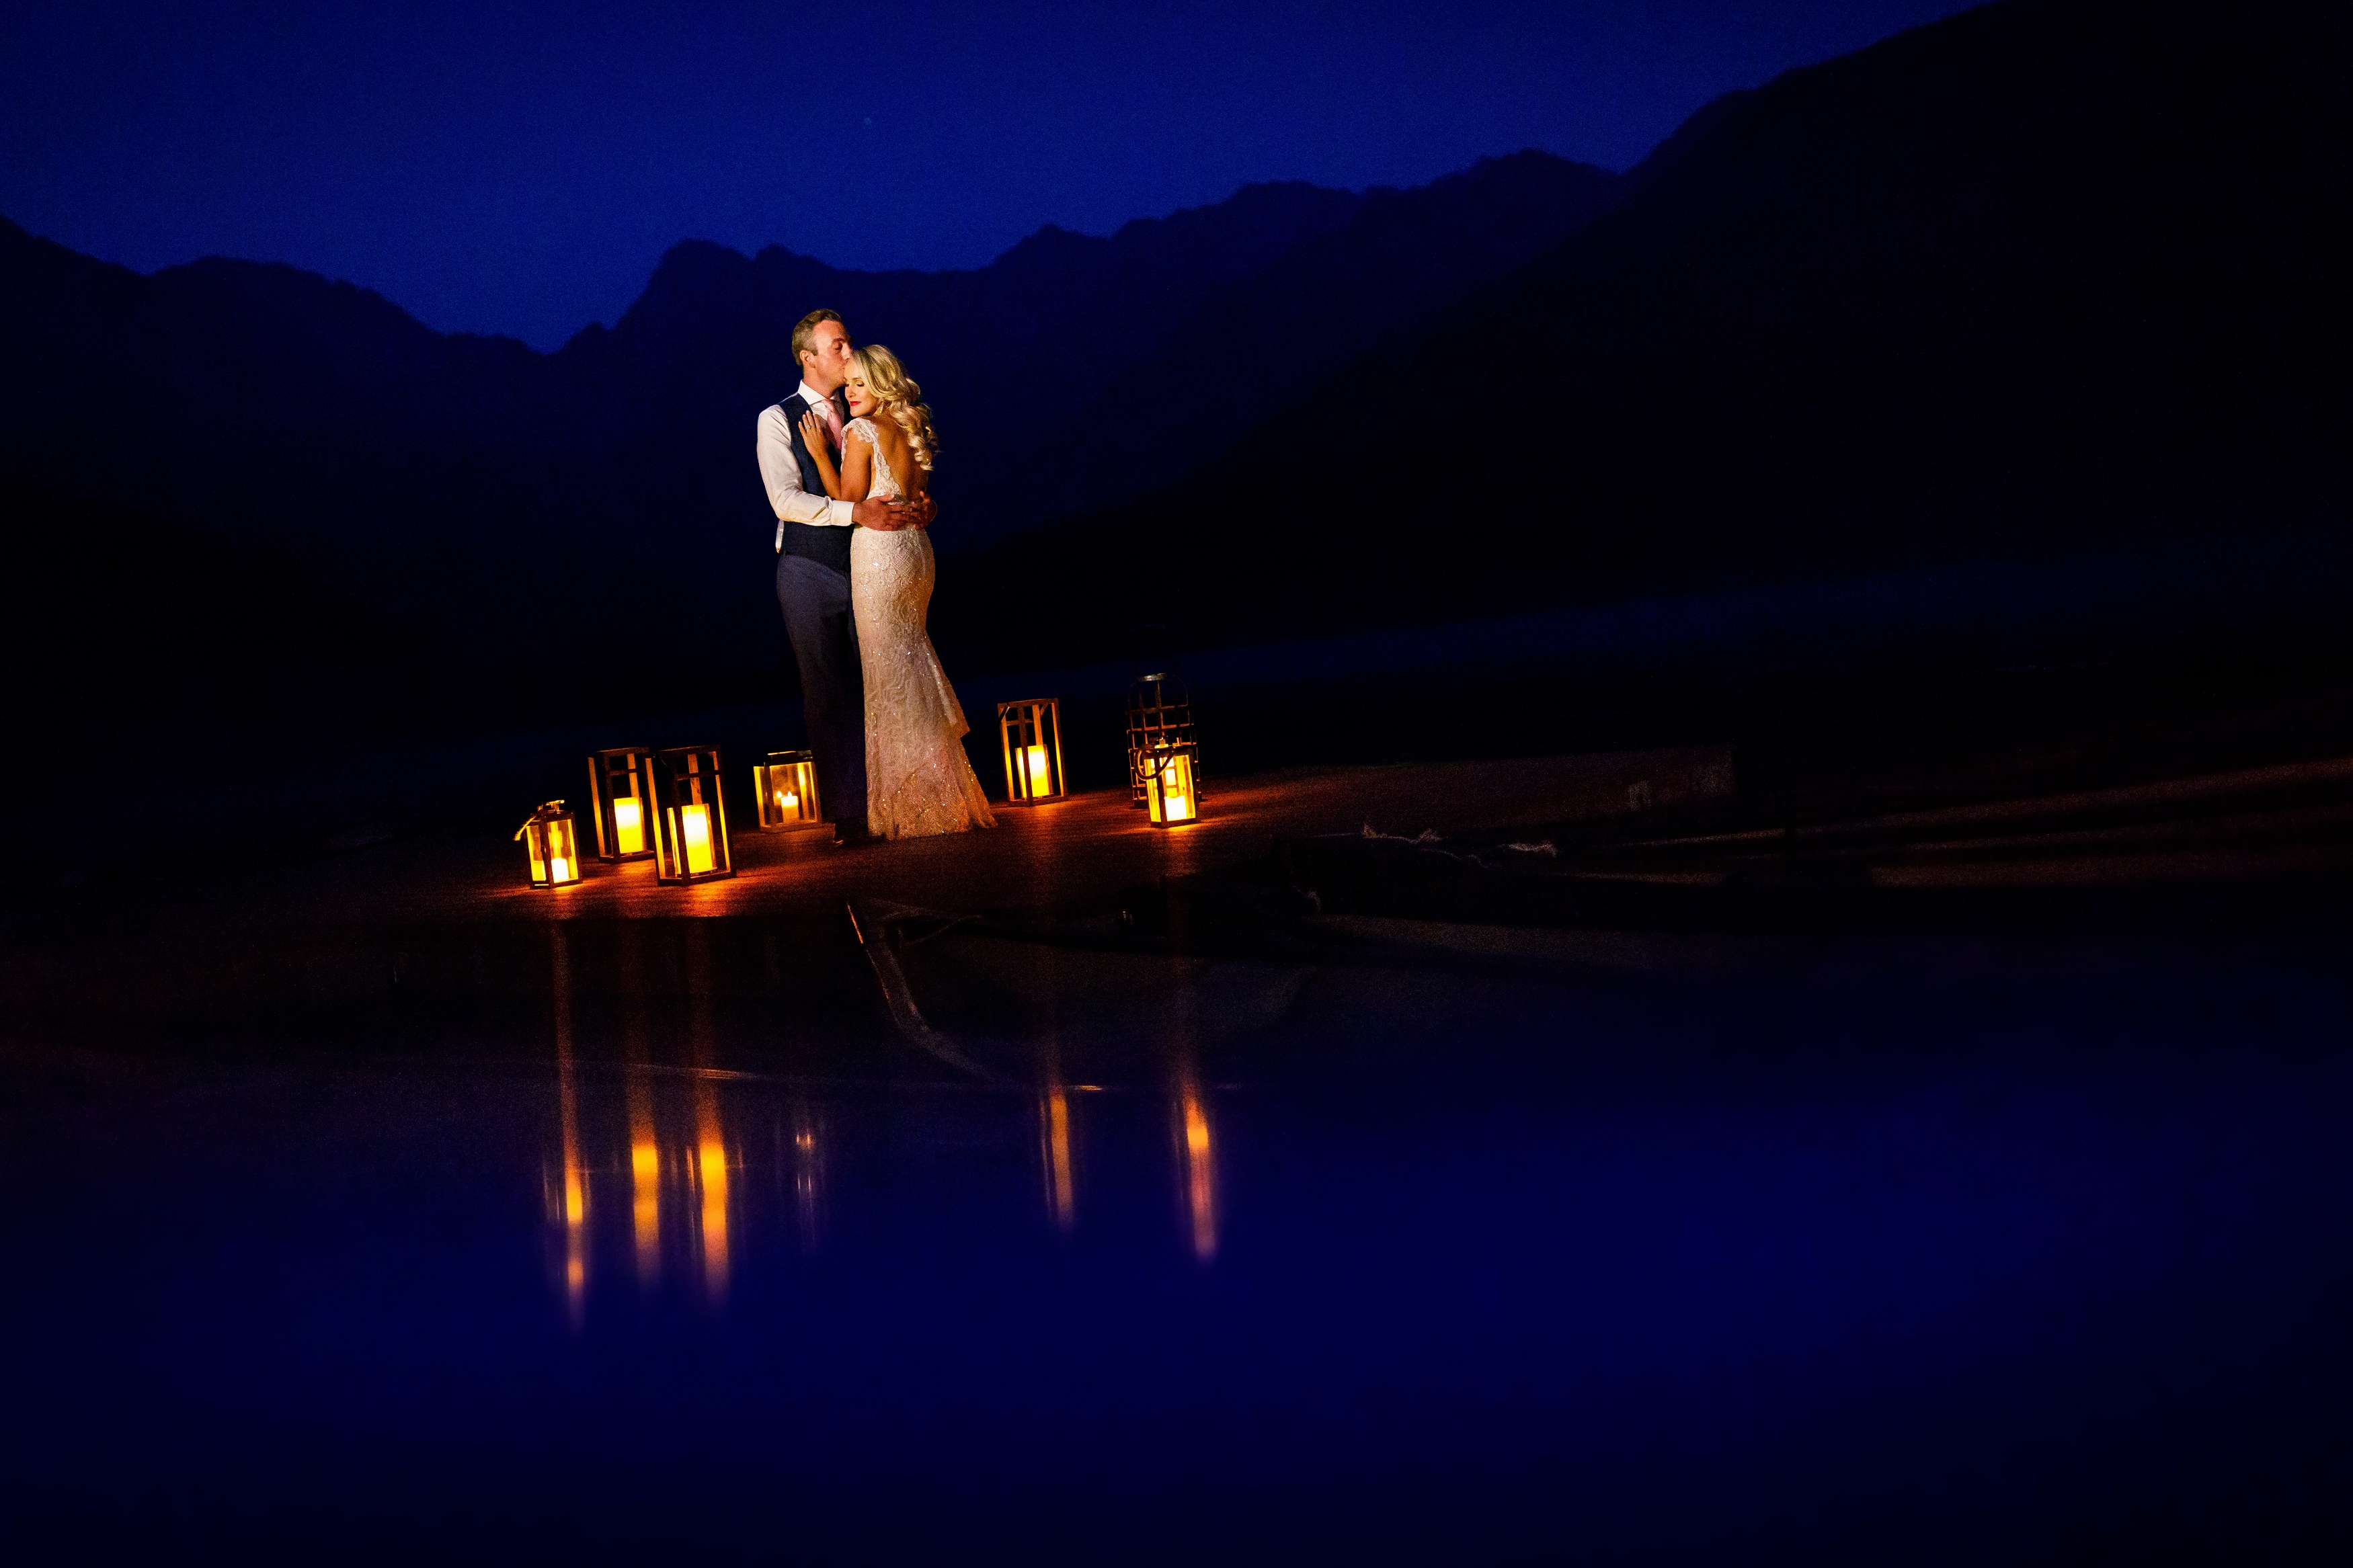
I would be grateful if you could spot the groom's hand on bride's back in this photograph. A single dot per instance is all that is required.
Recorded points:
(888, 516)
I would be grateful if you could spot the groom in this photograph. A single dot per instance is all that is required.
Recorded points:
(813, 566)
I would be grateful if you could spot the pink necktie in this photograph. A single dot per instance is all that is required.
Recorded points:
(833, 424)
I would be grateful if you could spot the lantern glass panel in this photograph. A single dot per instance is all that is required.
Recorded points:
(1032, 734)
(621, 790)
(1170, 791)
(786, 787)
(690, 816)
(562, 852)
(551, 847)
(1159, 718)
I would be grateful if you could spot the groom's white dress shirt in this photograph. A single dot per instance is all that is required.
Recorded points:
(781, 471)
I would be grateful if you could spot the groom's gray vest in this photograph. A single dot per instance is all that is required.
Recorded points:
(821, 543)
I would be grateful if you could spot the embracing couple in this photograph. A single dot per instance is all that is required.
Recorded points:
(847, 459)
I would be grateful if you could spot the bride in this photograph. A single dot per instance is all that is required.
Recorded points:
(917, 779)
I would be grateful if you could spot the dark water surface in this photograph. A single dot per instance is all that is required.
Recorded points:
(1908, 1252)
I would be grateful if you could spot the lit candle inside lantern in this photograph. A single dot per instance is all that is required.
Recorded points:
(630, 826)
(1031, 732)
(563, 865)
(788, 803)
(1177, 789)
(694, 830)
(547, 841)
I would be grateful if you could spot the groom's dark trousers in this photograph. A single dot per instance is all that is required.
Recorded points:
(816, 601)
(813, 587)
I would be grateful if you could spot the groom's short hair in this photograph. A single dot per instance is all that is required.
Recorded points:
(805, 333)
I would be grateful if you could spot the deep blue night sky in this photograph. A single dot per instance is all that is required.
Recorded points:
(520, 171)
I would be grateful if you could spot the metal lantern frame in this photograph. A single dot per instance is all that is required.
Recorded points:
(690, 817)
(552, 843)
(1159, 721)
(1172, 783)
(621, 781)
(787, 775)
(1032, 734)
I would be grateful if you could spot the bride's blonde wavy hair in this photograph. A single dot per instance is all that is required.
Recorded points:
(901, 397)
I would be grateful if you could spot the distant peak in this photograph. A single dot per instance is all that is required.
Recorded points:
(687, 251)
(1052, 239)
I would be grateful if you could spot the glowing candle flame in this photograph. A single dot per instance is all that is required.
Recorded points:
(1040, 776)
(630, 826)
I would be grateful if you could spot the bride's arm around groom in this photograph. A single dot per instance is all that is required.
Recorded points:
(813, 536)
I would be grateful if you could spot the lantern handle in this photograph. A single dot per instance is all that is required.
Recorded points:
(547, 809)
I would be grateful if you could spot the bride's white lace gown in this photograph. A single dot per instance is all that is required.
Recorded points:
(917, 779)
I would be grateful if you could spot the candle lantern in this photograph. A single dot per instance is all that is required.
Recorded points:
(621, 788)
(1171, 788)
(786, 787)
(548, 839)
(689, 818)
(1160, 727)
(1033, 750)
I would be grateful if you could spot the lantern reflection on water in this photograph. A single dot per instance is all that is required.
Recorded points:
(696, 1179)
(1054, 1141)
(1032, 732)
(1197, 1165)
(572, 1198)
(786, 787)
(547, 839)
(645, 1178)
(621, 790)
(710, 1175)
(690, 817)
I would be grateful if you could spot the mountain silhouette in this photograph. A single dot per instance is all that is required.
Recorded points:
(2048, 276)
(521, 505)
